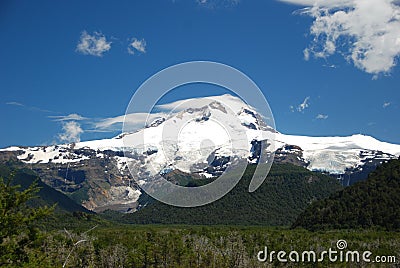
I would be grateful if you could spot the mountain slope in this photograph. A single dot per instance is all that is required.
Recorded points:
(369, 203)
(46, 195)
(284, 195)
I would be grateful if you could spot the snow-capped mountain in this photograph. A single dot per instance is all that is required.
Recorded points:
(198, 136)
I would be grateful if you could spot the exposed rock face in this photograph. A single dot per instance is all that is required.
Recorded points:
(291, 154)
(98, 183)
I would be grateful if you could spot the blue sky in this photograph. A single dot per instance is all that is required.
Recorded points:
(318, 79)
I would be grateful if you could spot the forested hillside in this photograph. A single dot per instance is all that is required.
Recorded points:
(286, 192)
(374, 202)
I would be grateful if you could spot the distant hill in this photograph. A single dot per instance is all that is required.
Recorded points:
(46, 196)
(374, 202)
(286, 192)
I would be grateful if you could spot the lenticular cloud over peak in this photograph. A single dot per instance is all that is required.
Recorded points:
(366, 33)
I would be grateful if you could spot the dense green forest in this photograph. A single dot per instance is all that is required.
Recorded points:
(374, 202)
(285, 193)
(200, 246)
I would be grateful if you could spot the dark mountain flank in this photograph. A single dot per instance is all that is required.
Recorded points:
(374, 202)
(286, 192)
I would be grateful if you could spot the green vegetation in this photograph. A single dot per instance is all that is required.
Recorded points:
(201, 246)
(374, 202)
(28, 208)
(80, 195)
(286, 192)
(19, 235)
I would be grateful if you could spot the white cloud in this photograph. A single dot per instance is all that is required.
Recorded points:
(322, 116)
(302, 106)
(31, 108)
(386, 104)
(212, 4)
(332, 66)
(181, 105)
(71, 132)
(15, 103)
(306, 53)
(132, 121)
(366, 32)
(71, 129)
(325, 3)
(95, 44)
(69, 117)
(137, 45)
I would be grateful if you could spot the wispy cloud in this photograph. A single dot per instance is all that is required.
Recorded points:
(386, 104)
(212, 4)
(15, 103)
(28, 107)
(332, 66)
(71, 132)
(304, 105)
(366, 32)
(321, 117)
(306, 53)
(95, 44)
(73, 125)
(137, 45)
(69, 117)
(132, 122)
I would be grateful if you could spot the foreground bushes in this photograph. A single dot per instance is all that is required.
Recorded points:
(196, 246)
